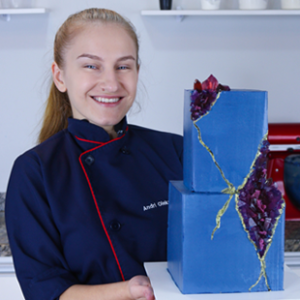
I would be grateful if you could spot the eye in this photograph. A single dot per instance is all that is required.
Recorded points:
(123, 67)
(91, 67)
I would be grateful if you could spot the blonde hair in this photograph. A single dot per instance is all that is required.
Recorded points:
(58, 108)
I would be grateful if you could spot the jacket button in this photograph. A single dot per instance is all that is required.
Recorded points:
(89, 160)
(125, 150)
(115, 225)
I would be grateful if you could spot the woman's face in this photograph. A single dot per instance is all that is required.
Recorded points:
(100, 74)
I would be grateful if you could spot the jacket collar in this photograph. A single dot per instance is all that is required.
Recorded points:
(89, 135)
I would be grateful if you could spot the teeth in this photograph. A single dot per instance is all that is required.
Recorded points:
(107, 100)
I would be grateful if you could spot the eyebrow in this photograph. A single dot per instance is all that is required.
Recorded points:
(95, 57)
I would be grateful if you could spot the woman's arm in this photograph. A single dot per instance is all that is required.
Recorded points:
(137, 288)
(35, 240)
(40, 265)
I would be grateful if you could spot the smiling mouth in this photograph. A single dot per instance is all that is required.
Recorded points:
(106, 100)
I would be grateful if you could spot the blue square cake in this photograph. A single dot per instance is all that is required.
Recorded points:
(226, 263)
(226, 219)
(231, 132)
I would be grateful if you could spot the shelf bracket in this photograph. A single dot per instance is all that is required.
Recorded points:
(180, 17)
(6, 17)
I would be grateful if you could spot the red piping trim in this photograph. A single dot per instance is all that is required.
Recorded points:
(83, 140)
(96, 204)
(99, 143)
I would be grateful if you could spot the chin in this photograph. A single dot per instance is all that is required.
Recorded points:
(106, 123)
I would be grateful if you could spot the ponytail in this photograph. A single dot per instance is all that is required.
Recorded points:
(56, 115)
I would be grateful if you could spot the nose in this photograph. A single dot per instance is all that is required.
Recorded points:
(109, 81)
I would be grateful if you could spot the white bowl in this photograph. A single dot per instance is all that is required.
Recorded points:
(253, 4)
(290, 4)
(5, 3)
(210, 4)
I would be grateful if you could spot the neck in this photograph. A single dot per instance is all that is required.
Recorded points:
(112, 135)
(111, 131)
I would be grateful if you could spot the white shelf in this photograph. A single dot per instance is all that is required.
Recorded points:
(225, 12)
(7, 12)
(6, 265)
(18, 11)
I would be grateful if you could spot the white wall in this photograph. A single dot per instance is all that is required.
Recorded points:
(243, 52)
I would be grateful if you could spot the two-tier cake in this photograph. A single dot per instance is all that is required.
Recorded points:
(226, 219)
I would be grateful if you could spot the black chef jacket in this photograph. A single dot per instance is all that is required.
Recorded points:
(84, 209)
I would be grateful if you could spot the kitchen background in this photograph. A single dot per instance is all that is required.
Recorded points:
(253, 52)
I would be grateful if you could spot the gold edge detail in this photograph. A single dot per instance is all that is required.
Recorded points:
(261, 259)
(262, 263)
(220, 214)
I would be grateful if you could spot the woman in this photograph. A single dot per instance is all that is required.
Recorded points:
(84, 208)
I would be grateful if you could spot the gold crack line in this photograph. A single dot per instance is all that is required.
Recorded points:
(230, 189)
(220, 214)
(262, 259)
(242, 186)
(262, 262)
(230, 185)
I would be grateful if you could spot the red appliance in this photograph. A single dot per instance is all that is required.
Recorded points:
(284, 141)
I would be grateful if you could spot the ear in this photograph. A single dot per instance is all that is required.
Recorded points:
(58, 79)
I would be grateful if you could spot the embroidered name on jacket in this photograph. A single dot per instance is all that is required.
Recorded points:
(155, 205)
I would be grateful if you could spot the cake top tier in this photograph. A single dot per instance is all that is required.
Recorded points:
(224, 140)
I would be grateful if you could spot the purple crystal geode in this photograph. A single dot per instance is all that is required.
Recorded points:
(260, 203)
(204, 95)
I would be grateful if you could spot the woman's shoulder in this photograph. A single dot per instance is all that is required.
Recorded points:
(158, 139)
(147, 132)
(43, 151)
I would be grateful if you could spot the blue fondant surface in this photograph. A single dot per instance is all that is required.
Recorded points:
(233, 131)
(229, 262)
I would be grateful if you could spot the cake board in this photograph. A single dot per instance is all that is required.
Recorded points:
(165, 288)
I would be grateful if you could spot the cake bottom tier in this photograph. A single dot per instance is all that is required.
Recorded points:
(227, 263)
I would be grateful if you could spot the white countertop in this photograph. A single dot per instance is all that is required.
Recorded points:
(9, 287)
